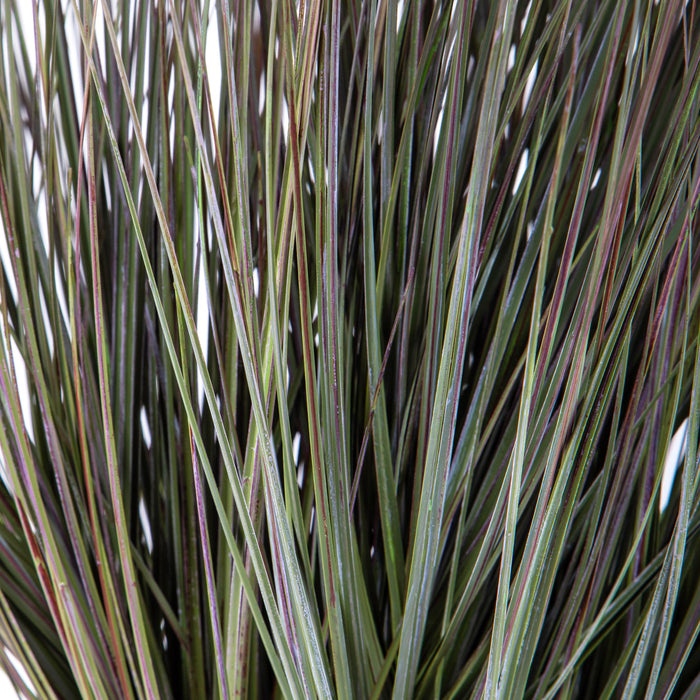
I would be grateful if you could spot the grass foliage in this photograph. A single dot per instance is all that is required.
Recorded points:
(342, 360)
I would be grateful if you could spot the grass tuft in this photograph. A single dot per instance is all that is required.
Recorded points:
(343, 347)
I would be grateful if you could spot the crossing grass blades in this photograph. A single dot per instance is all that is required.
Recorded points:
(343, 345)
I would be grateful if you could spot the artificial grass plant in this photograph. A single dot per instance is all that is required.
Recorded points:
(343, 345)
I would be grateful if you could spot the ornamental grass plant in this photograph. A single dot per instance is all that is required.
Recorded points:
(343, 345)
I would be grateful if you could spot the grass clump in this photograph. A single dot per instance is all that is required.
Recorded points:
(343, 345)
